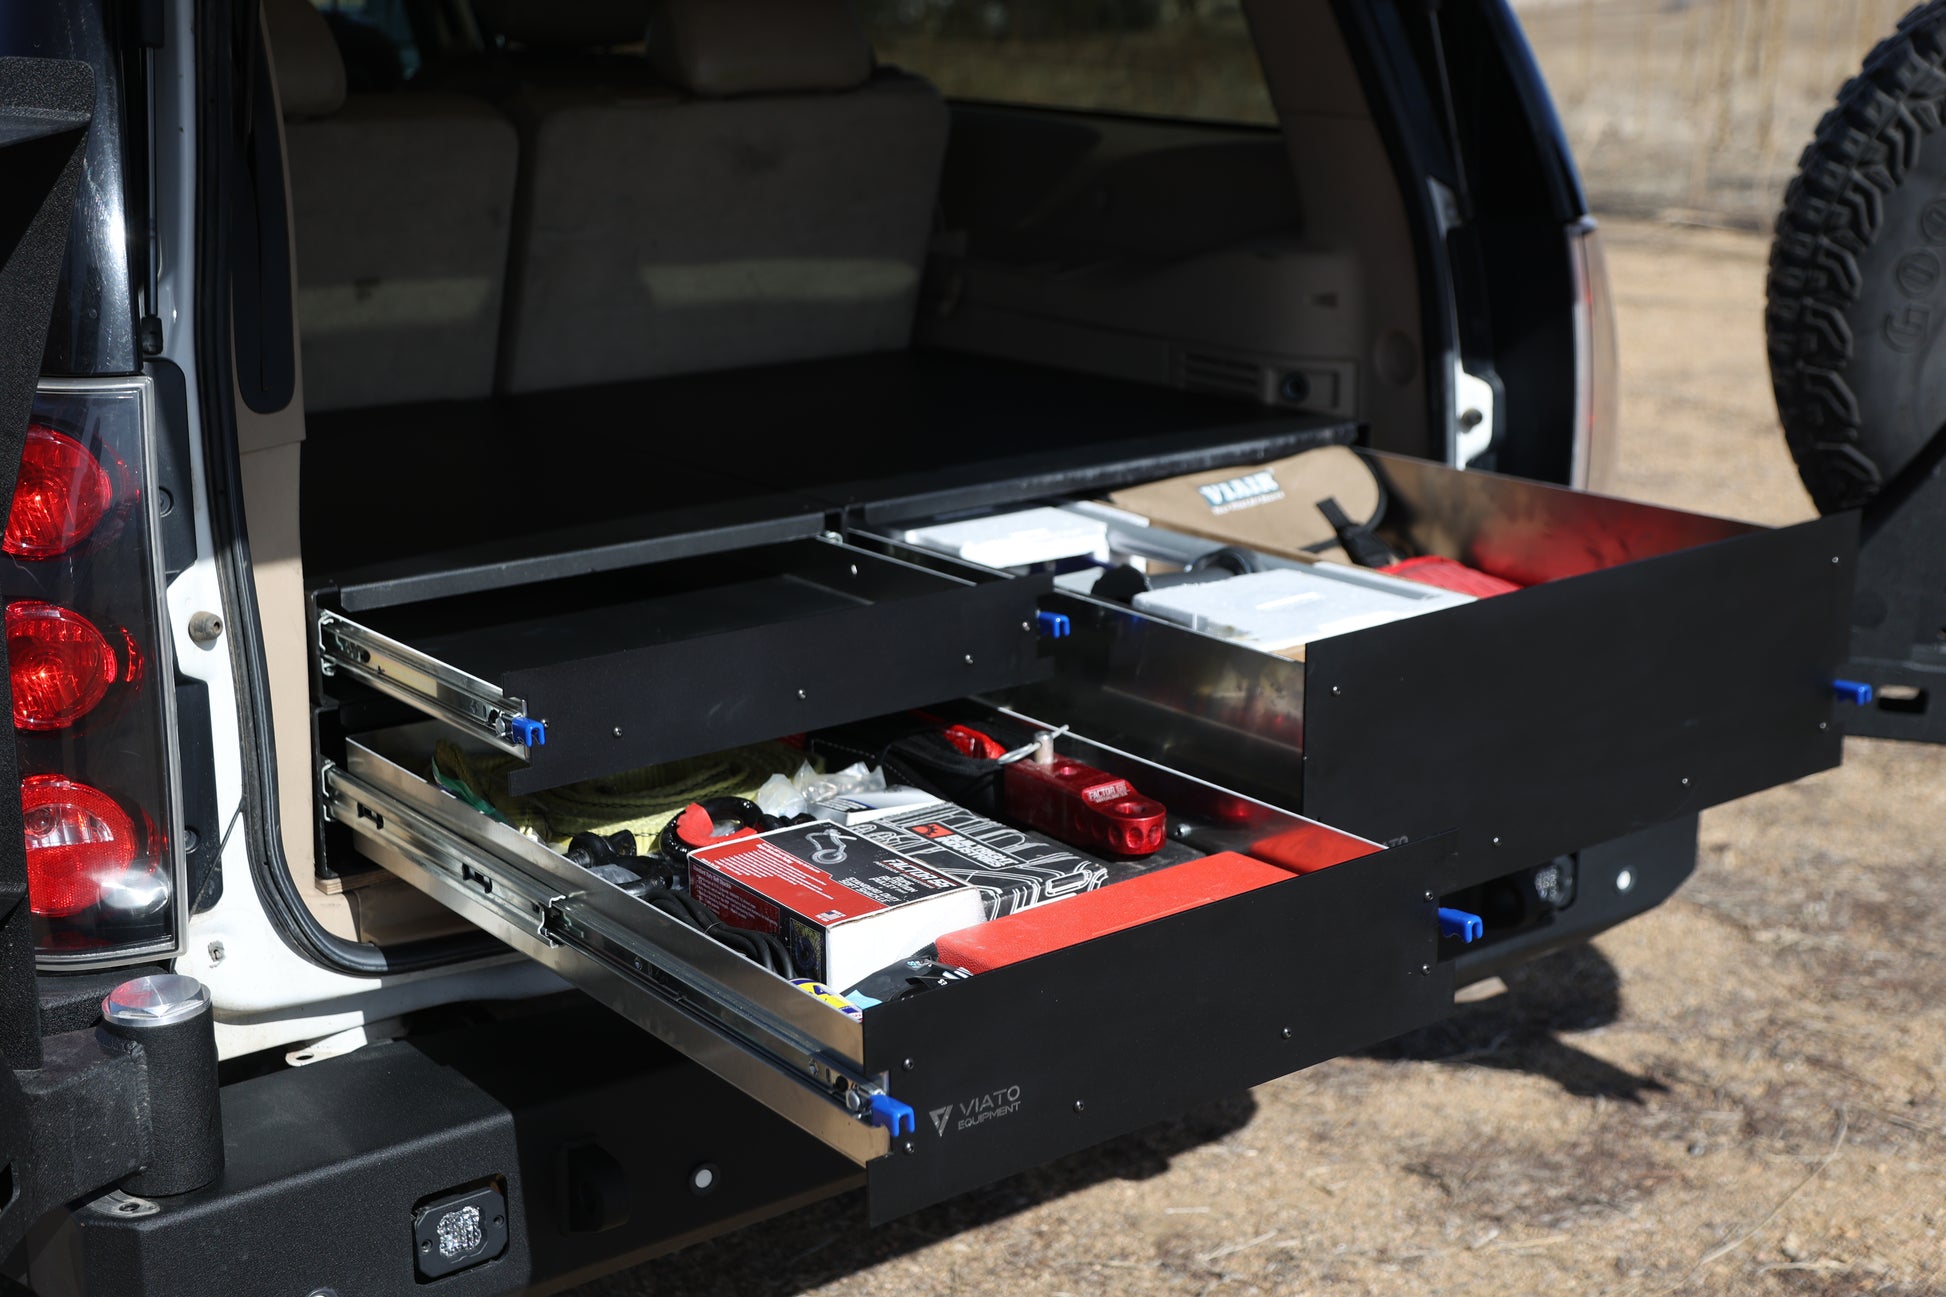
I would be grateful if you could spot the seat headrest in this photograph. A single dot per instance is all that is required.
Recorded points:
(564, 24)
(310, 71)
(718, 48)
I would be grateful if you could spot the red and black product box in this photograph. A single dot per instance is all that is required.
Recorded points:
(1013, 869)
(845, 905)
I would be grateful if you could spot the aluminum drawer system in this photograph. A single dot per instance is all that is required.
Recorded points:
(1661, 663)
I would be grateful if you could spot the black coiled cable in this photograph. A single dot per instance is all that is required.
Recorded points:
(761, 947)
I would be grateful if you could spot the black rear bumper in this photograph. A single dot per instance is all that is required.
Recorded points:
(590, 1131)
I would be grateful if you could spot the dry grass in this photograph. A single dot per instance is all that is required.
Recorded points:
(1206, 71)
(1697, 106)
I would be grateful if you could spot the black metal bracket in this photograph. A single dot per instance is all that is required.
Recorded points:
(80, 1123)
(1898, 623)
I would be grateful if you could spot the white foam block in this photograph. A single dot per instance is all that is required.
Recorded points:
(1287, 607)
(1015, 539)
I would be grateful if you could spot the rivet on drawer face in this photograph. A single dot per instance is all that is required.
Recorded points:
(907, 1065)
(1336, 691)
(1286, 1033)
(1080, 1105)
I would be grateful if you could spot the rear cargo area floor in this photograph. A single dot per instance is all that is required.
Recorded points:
(418, 501)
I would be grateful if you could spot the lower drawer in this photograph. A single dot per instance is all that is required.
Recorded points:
(983, 1077)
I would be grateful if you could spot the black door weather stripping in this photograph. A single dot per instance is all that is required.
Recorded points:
(230, 39)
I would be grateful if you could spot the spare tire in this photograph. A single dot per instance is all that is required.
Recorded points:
(1856, 321)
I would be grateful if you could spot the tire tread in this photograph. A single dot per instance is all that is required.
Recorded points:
(1833, 212)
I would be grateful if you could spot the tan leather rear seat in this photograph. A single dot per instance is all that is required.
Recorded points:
(773, 205)
(401, 206)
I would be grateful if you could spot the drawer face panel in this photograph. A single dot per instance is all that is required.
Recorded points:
(1588, 708)
(1043, 1058)
(616, 671)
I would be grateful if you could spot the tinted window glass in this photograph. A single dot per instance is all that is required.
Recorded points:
(376, 39)
(1164, 58)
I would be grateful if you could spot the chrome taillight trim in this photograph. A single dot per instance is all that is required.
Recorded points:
(1596, 368)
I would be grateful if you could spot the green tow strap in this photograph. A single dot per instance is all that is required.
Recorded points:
(638, 800)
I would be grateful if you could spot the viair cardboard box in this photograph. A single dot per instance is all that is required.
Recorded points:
(845, 905)
(1272, 507)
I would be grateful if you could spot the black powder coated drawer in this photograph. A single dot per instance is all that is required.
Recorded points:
(1658, 663)
(1592, 707)
(1002, 1071)
(613, 671)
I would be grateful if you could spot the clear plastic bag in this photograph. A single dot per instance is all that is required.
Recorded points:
(786, 798)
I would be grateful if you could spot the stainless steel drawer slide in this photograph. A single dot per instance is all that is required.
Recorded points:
(796, 1055)
(613, 671)
(477, 706)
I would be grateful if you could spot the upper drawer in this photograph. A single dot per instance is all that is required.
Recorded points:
(1658, 662)
(1661, 663)
(613, 671)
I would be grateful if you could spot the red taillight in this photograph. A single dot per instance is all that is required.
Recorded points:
(60, 665)
(79, 839)
(88, 659)
(61, 495)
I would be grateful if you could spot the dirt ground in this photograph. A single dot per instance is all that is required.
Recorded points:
(1697, 105)
(1743, 1092)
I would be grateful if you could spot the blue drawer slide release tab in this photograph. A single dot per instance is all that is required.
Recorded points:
(1855, 692)
(895, 1116)
(1053, 625)
(526, 731)
(1458, 923)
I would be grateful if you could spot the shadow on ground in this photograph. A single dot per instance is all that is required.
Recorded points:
(1575, 990)
(1519, 1031)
